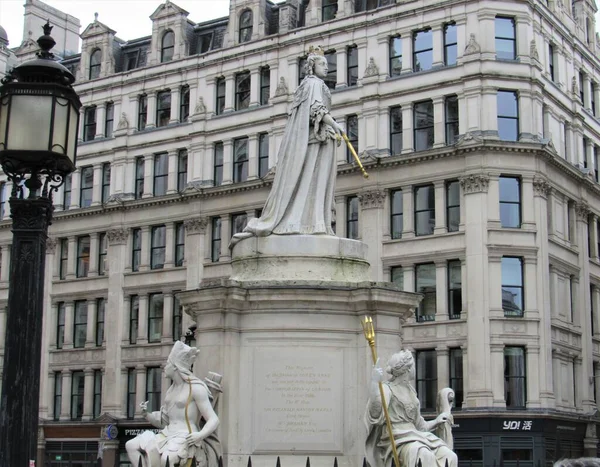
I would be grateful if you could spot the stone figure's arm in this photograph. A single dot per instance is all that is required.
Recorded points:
(211, 421)
(375, 408)
(432, 424)
(154, 418)
(328, 119)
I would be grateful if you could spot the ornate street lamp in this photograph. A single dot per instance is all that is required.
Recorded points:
(39, 119)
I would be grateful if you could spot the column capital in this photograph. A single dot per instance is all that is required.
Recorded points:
(541, 187)
(196, 226)
(475, 183)
(372, 199)
(117, 236)
(583, 211)
(51, 246)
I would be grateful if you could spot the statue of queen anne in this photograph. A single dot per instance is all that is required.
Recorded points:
(302, 197)
(187, 418)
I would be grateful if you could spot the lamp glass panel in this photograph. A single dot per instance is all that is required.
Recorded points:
(73, 129)
(3, 115)
(59, 130)
(29, 123)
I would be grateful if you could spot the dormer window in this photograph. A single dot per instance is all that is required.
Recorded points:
(245, 26)
(95, 61)
(168, 47)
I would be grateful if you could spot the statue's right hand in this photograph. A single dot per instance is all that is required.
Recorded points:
(377, 373)
(144, 407)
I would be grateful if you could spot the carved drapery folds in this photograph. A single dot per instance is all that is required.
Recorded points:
(372, 199)
(117, 236)
(541, 187)
(196, 226)
(476, 183)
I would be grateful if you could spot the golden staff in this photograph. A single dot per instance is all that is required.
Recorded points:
(356, 158)
(369, 333)
(187, 419)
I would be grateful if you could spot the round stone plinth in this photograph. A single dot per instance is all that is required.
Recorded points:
(300, 257)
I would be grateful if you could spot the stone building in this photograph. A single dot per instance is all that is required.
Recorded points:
(479, 125)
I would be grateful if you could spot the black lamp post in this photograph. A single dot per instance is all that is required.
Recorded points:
(39, 120)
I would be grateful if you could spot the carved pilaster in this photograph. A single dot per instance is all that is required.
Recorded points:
(541, 187)
(117, 236)
(476, 183)
(372, 199)
(196, 226)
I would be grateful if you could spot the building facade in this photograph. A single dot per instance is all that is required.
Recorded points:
(478, 122)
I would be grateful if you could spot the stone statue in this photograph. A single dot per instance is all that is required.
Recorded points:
(581, 462)
(412, 434)
(187, 418)
(302, 195)
(123, 122)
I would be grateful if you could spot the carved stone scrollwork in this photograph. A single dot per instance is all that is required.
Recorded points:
(51, 246)
(196, 226)
(117, 236)
(583, 211)
(541, 187)
(372, 199)
(476, 183)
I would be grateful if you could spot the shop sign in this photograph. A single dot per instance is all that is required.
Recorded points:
(517, 425)
(128, 432)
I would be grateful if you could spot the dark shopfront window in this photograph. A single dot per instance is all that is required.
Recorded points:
(72, 454)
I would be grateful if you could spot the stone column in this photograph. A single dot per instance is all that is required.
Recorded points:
(81, 124)
(583, 299)
(229, 94)
(75, 188)
(194, 255)
(497, 374)
(342, 68)
(443, 367)
(69, 318)
(408, 227)
(489, 123)
(254, 87)
(596, 317)
(151, 110)
(172, 177)
(340, 215)
(91, 323)
(142, 337)
(543, 290)
(167, 330)
(439, 127)
(148, 176)
(145, 256)
(594, 237)
(100, 120)
(140, 388)
(88, 394)
(479, 363)
(440, 208)
(371, 227)
(253, 156)
(407, 54)
(587, 98)
(227, 162)
(97, 186)
(65, 406)
(438, 46)
(441, 288)
(534, 381)
(169, 245)
(115, 312)
(225, 237)
(175, 98)
(408, 271)
(71, 258)
(94, 247)
(407, 128)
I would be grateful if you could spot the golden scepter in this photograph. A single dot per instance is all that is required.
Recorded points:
(369, 333)
(187, 419)
(356, 158)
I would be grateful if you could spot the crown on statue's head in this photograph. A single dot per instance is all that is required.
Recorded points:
(183, 355)
(318, 50)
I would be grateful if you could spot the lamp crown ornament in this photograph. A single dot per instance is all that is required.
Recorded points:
(46, 42)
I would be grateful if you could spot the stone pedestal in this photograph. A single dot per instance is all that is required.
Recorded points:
(285, 333)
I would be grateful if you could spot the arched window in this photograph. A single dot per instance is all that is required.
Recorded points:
(95, 60)
(168, 47)
(245, 26)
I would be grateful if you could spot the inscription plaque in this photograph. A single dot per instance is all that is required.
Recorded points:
(298, 399)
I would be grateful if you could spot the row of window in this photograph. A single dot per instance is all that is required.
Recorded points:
(515, 377)
(155, 316)
(160, 174)
(164, 108)
(90, 124)
(241, 161)
(77, 394)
